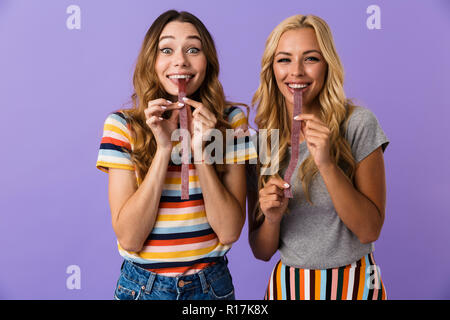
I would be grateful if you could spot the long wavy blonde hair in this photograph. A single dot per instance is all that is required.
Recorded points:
(147, 87)
(335, 108)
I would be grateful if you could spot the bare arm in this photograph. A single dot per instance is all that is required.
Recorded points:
(134, 209)
(264, 234)
(360, 207)
(224, 202)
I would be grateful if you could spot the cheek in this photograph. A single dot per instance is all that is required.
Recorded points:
(280, 75)
(200, 66)
(319, 72)
(160, 67)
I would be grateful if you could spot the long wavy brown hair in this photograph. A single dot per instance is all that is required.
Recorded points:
(147, 87)
(335, 107)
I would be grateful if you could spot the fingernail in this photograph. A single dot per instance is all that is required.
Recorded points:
(160, 118)
(163, 107)
(297, 118)
(286, 185)
(180, 104)
(185, 99)
(168, 101)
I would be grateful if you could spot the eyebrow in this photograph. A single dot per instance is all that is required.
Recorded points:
(188, 37)
(306, 52)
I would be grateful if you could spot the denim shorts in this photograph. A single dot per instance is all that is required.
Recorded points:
(211, 283)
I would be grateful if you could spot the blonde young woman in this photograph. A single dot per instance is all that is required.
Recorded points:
(173, 248)
(325, 233)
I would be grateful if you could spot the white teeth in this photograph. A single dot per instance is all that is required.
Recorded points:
(181, 76)
(297, 86)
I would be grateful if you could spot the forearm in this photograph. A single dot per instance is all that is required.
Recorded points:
(356, 211)
(138, 215)
(223, 211)
(264, 240)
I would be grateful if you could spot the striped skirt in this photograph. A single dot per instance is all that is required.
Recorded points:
(360, 280)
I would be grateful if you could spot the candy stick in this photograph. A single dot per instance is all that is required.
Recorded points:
(295, 135)
(185, 149)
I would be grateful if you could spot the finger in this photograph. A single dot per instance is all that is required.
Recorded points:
(153, 111)
(269, 204)
(193, 103)
(317, 126)
(173, 106)
(158, 110)
(200, 107)
(305, 116)
(159, 102)
(277, 190)
(314, 141)
(154, 121)
(272, 197)
(315, 133)
(271, 189)
(205, 112)
(278, 182)
(209, 123)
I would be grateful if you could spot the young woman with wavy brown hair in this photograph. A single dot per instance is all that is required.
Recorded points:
(174, 248)
(325, 233)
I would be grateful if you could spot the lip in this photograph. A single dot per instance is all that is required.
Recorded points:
(291, 90)
(175, 80)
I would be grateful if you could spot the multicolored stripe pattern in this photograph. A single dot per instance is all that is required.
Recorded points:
(181, 241)
(357, 281)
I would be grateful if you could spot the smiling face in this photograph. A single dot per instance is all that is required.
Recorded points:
(299, 65)
(180, 55)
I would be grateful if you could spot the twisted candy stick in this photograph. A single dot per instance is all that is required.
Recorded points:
(185, 149)
(295, 135)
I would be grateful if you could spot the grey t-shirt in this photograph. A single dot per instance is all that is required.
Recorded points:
(313, 236)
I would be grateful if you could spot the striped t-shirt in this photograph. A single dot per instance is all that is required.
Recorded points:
(181, 241)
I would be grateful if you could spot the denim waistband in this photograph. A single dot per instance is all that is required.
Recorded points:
(149, 280)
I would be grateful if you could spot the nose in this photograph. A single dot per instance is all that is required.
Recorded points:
(297, 69)
(179, 59)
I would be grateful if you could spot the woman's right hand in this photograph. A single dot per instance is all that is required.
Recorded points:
(162, 128)
(272, 201)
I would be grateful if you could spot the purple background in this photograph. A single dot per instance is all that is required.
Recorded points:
(58, 85)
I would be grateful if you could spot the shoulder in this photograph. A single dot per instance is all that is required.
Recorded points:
(360, 114)
(117, 122)
(364, 132)
(235, 116)
(117, 117)
(360, 118)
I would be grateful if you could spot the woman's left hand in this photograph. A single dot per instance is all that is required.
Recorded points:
(317, 136)
(202, 121)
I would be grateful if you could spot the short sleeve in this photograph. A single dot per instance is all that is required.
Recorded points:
(240, 147)
(115, 146)
(364, 133)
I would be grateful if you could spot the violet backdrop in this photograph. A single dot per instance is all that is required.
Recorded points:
(57, 85)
